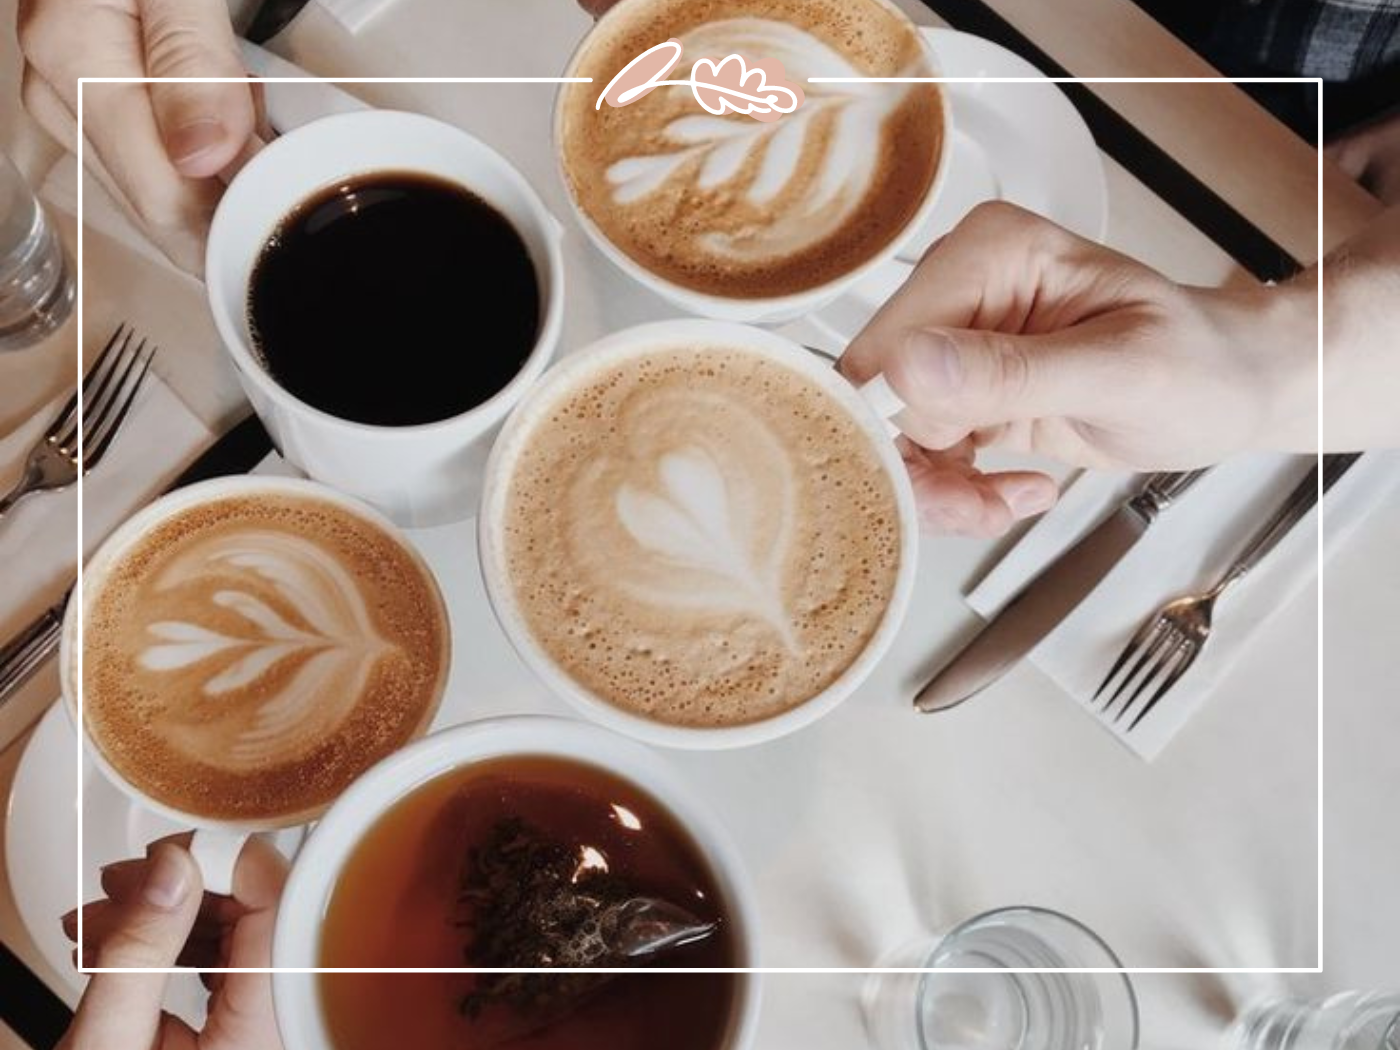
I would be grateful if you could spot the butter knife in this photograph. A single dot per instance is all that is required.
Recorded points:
(1047, 599)
(25, 653)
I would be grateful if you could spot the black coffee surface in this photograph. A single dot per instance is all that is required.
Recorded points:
(394, 298)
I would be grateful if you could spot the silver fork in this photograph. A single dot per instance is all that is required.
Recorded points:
(73, 446)
(1168, 642)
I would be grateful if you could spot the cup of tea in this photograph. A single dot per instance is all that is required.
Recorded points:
(741, 219)
(387, 286)
(698, 533)
(244, 648)
(521, 843)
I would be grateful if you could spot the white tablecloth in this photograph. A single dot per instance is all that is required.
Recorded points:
(877, 824)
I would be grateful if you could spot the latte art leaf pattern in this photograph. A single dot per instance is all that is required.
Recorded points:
(692, 523)
(334, 639)
(836, 133)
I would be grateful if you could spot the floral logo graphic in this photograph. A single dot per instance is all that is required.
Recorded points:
(758, 88)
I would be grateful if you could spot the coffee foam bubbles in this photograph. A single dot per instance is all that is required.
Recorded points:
(738, 207)
(700, 536)
(250, 656)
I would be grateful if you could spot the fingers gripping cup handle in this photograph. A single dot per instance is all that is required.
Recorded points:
(216, 852)
(882, 399)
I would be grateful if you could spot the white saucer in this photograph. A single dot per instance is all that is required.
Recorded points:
(41, 846)
(1024, 143)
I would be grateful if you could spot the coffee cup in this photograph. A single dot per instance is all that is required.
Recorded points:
(699, 533)
(419, 473)
(738, 219)
(246, 647)
(303, 1004)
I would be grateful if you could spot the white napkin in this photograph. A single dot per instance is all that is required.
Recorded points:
(1185, 551)
(39, 537)
(354, 14)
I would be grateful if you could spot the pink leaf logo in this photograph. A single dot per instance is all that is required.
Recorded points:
(760, 91)
(642, 75)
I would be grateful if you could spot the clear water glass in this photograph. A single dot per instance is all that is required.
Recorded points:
(966, 996)
(36, 286)
(1346, 1021)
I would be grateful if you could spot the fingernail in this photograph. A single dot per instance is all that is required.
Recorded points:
(935, 357)
(168, 881)
(1029, 497)
(191, 142)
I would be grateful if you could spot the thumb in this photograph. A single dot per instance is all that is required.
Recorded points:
(203, 126)
(122, 1011)
(957, 380)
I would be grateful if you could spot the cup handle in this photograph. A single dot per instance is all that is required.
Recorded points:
(216, 852)
(883, 401)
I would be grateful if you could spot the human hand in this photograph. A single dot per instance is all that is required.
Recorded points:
(1015, 333)
(156, 915)
(160, 148)
(1371, 156)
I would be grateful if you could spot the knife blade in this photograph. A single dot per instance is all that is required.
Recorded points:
(1051, 596)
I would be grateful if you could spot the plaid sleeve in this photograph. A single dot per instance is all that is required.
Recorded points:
(1337, 40)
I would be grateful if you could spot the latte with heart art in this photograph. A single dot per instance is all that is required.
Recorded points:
(700, 535)
(249, 656)
(741, 208)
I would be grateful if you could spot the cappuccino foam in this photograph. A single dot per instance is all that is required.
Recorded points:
(251, 656)
(700, 536)
(732, 206)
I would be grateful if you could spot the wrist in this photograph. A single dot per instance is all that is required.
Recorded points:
(1273, 331)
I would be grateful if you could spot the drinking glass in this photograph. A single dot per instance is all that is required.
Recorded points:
(1346, 1021)
(36, 288)
(946, 1007)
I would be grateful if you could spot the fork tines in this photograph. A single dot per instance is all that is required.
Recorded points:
(1163, 652)
(107, 394)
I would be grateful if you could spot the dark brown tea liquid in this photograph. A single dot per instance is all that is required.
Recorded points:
(398, 904)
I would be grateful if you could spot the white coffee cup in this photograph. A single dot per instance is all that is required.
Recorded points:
(868, 407)
(418, 475)
(217, 842)
(774, 310)
(296, 941)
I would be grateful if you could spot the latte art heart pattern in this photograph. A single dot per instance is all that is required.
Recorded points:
(701, 536)
(323, 627)
(697, 524)
(249, 657)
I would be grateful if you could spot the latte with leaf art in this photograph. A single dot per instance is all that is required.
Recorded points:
(251, 655)
(743, 208)
(701, 536)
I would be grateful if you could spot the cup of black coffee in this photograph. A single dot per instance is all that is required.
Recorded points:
(387, 287)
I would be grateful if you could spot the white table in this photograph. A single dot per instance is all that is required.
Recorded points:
(877, 825)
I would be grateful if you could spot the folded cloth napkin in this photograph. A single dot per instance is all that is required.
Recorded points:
(354, 14)
(1184, 552)
(40, 538)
